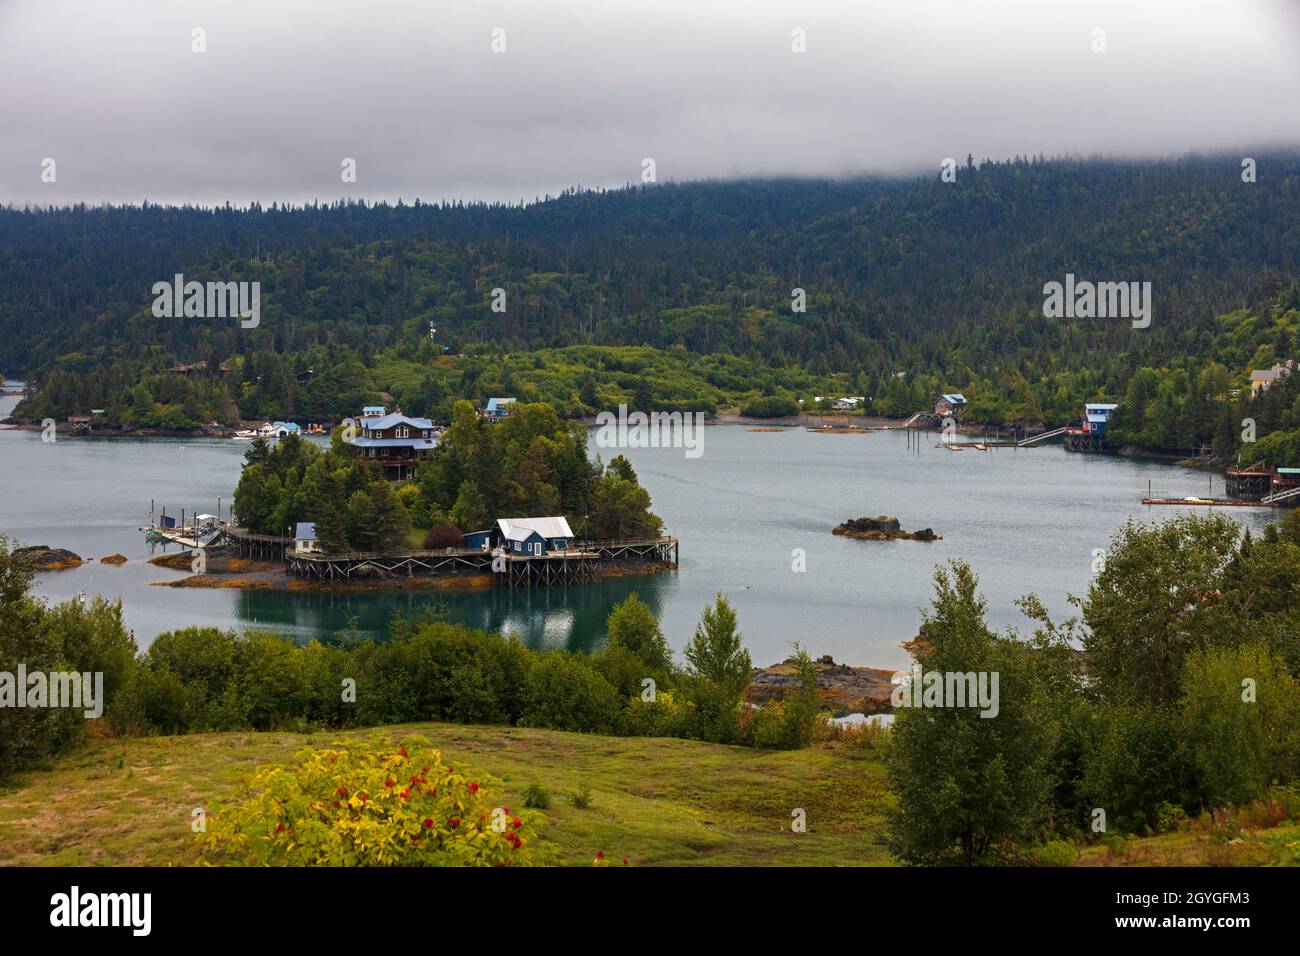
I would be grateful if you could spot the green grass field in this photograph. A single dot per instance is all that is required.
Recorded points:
(657, 801)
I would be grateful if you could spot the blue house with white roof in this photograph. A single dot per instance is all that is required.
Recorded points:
(304, 538)
(497, 408)
(1096, 416)
(534, 537)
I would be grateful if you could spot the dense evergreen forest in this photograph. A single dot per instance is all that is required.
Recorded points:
(680, 296)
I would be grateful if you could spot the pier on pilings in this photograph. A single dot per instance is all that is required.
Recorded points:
(579, 564)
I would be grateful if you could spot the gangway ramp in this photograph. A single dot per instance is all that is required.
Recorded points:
(1041, 436)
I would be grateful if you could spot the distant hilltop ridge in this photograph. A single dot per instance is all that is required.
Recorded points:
(948, 255)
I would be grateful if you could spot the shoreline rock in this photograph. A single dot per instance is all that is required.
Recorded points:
(842, 688)
(882, 528)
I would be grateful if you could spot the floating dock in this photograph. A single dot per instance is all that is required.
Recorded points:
(1209, 502)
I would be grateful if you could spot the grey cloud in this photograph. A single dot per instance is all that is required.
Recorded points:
(586, 89)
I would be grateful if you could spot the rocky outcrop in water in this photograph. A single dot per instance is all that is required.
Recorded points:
(882, 528)
(44, 558)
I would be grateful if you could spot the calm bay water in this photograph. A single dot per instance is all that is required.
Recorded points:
(1027, 520)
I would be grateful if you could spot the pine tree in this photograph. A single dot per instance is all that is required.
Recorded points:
(718, 671)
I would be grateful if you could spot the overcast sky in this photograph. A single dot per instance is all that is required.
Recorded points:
(587, 89)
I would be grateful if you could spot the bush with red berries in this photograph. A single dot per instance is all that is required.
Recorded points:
(369, 803)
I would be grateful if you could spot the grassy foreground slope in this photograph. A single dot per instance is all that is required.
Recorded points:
(657, 801)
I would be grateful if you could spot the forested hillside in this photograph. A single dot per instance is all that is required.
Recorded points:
(940, 281)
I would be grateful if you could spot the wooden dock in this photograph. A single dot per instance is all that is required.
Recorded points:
(579, 564)
(268, 547)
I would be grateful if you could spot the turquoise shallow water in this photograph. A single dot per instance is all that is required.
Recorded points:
(1027, 520)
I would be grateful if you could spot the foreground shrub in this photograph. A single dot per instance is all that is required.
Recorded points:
(789, 723)
(85, 637)
(367, 803)
(1137, 763)
(668, 715)
(566, 692)
(442, 671)
(1241, 720)
(537, 796)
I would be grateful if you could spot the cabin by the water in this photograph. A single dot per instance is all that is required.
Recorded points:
(524, 536)
(1089, 433)
(304, 538)
(950, 404)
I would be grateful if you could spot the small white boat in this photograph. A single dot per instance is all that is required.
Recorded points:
(267, 430)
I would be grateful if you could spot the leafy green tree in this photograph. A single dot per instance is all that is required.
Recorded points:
(969, 780)
(632, 625)
(620, 507)
(470, 510)
(1147, 609)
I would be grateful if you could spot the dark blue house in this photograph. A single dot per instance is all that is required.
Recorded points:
(534, 537)
(1096, 416)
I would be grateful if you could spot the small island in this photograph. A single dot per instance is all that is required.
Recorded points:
(507, 495)
(882, 528)
(44, 558)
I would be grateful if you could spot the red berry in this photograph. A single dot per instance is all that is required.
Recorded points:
(279, 828)
(473, 788)
(428, 823)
